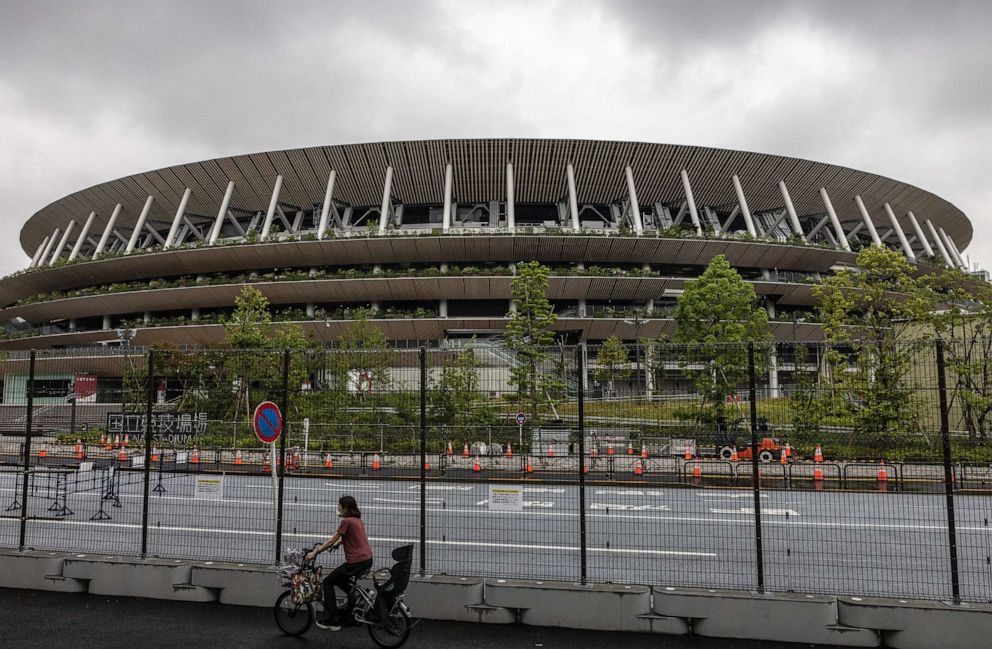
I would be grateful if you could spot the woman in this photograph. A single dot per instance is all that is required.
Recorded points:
(357, 557)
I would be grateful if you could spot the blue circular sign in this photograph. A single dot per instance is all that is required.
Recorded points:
(521, 418)
(268, 422)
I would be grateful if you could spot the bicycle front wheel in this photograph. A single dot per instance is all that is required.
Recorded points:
(393, 631)
(293, 619)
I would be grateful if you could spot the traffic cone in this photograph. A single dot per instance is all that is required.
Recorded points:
(644, 452)
(783, 458)
(122, 455)
(328, 463)
(788, 450)
(476, 467)
(529, 467)
(427, 466)
(638, 468)
(117, 440)
(465, 451)
(237, 458)
(376, 462)
(630, 448)
(551, 451)
(509, 450)
(107, 443)
(125, 440)
(42, 452)
(594, 452)
(883, 475)
(688, 456)
(195, 459)
(450, 450)
(818, 479)
(697, 471)
(154, 454)
(609, 449)
(818, 455)
(733, 456)
(79, 449)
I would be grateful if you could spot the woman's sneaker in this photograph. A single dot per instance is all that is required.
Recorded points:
(325, 621)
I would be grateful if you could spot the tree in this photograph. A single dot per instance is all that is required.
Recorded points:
(528, 333)
(715, 317)
(362, 358)
(612, 363)
(866, 313)
(249, 324)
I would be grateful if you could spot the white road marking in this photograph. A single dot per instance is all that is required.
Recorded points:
(527, 503)
(627, 492)
(750, 510)
(441, 487)
(433, 501)
(621, 507)
(730, 495)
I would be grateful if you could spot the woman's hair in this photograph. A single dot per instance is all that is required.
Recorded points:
(350, 507)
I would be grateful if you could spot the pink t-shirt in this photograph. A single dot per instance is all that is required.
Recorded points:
(356, 543)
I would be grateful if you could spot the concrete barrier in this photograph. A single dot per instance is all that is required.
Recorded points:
(240, 584)
(36, 570)
(133, 577)
(911, 624)
(446, 597)
(784, 617)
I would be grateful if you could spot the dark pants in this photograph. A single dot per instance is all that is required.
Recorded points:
(341, 577)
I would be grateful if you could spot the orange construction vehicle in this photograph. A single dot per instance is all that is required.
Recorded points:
(737, 436)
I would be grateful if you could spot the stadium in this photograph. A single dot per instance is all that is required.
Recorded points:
(425, 235)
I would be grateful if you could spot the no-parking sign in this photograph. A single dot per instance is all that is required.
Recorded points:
(268, 422)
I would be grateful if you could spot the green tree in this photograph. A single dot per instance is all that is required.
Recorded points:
(715, 317)
(362, 358)
(250, 322)
(867, 313)
(612, 363)
(528, 334)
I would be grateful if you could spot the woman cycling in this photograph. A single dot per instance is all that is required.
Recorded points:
(357, 558)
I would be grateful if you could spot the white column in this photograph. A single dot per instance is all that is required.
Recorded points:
(442, 308)
(510, 217)
(868, 222)
(748, 221)
(386, 203)
(273, 203)
(48, 247)
(61, 245)
(950, 248)
(899, 233)
(635, 208)
(139, 226)
(839, 231)
(106, 231)
(919, 234)
(791, 209)
(81, 239)
(106, 321)
(37, 253)
(325, 212)
(691, 201)
(221, 213)
(940, 244)
(954, 249)
(171, 238)
(573, 201)
(446, 215)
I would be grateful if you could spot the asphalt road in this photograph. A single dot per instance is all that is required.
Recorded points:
(858, 543)
(62, 621)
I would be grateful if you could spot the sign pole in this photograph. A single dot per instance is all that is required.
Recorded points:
(268, 428)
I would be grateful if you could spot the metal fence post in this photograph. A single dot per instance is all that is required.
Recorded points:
(755, 472)
(282, 451)
(580, 393)
(27, 454)
(423, 461)
(948, 472)
(148, 452)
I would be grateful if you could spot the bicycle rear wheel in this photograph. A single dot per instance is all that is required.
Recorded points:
(293, 619)
(393, 631)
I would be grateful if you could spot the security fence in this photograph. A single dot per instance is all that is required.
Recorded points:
(861, 470)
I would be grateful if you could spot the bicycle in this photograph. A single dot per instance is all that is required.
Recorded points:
(382, 610)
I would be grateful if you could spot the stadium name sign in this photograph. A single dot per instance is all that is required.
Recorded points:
(166, 426)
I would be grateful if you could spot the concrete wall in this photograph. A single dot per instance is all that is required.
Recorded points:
(789, 617)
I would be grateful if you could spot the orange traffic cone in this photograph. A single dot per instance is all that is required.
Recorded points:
(551, 451)
(818, 479)
(195, 459)
(594, 452)
(509, 450)
(883, 475)
(427, 465)
(638, 468)
(154, 454)
(450, 450)
(630, 448)
(237, 458)
(644, 452)
(79, 449)
(107, 443)
(476, 467)
(697, 471)
(117, 440)
(734, 457)
(609, 449)
(818, 455)
(529, 467)
(783, 458)
(376, 462)
(122, 455)
(688, 456)
(465, 451)
(328, 463)
(43, 452)
(125, 440)
(788, 450)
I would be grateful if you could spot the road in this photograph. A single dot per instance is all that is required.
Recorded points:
(858, 543)
(60, 621)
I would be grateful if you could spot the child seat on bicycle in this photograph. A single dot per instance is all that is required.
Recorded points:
(399, 578)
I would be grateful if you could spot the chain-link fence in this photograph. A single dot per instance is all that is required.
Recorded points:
(862, 469)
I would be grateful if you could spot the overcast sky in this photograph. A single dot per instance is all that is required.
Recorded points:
(91, 91)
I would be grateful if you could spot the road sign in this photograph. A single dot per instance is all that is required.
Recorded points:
(268, 422)
(521, 418)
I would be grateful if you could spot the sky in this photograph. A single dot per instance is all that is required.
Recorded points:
(92, 91)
